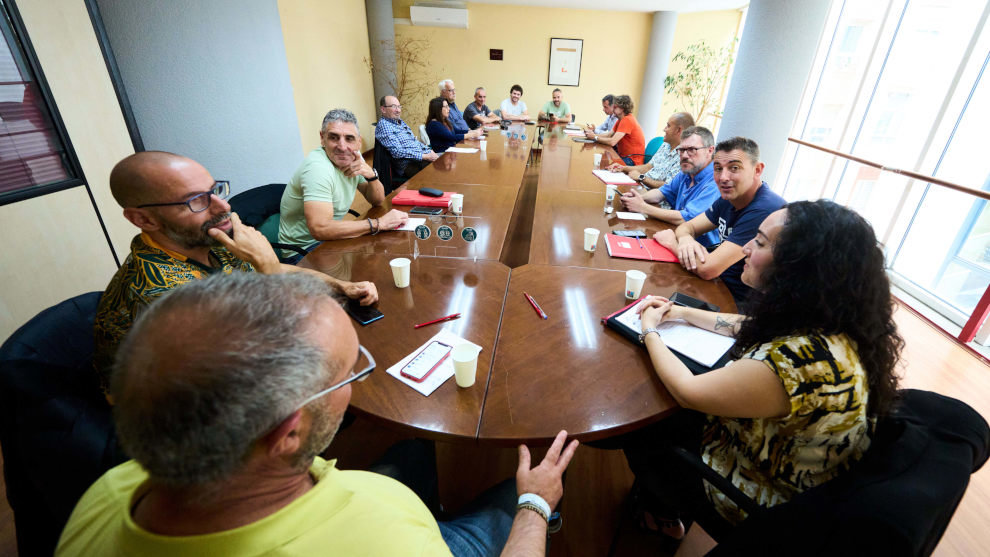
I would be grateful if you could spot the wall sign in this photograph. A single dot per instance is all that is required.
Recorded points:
(565, 62)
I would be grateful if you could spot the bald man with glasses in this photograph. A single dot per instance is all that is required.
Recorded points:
(187, 233)
(229, 391)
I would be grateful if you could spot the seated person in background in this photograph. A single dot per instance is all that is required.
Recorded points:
(816, 355)
(187, 233)
(477, 114)
(322, 189)
(665, 163)
(690, 193)
(448, 92)
(745, 201)
(556, 110)
(409, 156)
(627, 137)
(228, 391)
(513, 108)
(610, 119)
(440, 129)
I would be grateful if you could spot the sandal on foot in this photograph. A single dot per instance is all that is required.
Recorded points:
(648, 521)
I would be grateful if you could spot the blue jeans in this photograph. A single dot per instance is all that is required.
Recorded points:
(483, 526)
(296, 258)
(628, 161)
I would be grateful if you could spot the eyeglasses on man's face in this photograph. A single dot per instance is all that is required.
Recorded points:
(688, 150)
(201, 201)
(393, 106)
(364, 357)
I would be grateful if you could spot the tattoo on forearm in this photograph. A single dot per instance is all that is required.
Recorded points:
(722, 323)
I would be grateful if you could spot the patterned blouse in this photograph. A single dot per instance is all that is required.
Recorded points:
(149, 272)
(773, 459)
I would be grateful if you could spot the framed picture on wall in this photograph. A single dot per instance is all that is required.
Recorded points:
(565, 62)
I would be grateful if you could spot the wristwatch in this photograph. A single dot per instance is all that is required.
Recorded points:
(642, 336)
(641, 178)
(376, 175)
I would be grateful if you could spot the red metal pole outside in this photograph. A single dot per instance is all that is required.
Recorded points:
(977, 318)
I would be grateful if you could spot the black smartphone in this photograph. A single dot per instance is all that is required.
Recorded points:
(691, 302)
(417, 210)
(630, 233)
(362, 314)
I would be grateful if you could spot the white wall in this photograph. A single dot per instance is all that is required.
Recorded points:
(209, 80)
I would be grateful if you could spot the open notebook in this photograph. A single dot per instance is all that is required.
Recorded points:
(700, 350)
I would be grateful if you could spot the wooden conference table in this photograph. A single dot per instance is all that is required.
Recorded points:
(535, 377)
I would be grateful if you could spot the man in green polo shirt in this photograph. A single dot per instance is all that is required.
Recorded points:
(321, 191)
(556, 110)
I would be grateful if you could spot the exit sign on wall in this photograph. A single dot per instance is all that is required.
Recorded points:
(494, 53)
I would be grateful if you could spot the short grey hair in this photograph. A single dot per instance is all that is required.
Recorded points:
(340, 115)
(443, 83)
(707, 139)
(476, 89)
(213, 366)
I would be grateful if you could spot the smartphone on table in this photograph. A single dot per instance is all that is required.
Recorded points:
(630, 233)
(691, 302)
(427, 360)
(362, 314)
(425, 210)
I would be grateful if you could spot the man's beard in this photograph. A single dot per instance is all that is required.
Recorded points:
(323, 429)
(198, 238)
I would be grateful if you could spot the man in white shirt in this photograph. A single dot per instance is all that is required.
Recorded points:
(513, 108)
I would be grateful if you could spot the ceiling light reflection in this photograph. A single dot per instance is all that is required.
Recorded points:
(561, 243)
(581, 321)
(461, 301)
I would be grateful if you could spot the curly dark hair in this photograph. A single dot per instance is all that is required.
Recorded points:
(435, 112)
(828, 277)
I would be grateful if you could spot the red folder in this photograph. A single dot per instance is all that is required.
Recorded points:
(413, 197)
(633, 248)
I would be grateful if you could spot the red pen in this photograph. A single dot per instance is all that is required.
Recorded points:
(536, 306)
(447, 318)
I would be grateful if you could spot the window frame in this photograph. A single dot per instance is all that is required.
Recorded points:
(9, 11)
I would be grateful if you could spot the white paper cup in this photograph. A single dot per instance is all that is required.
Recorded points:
(457, 203)
(598, 160)
(483, 144)
(465, 358)
(400, 271)
(634, 283)
(590, 239)
(610, 190)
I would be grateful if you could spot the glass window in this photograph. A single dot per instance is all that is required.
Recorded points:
(32, 151)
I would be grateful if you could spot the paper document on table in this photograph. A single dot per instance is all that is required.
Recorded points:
(442, 373)
(461, 150)
(576, 132)
(615, 178)
(630, 216)
(704, 347)
(412, 223)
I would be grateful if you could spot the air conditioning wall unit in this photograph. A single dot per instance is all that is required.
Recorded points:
(430, 16)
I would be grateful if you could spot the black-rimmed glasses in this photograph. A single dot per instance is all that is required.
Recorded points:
(688, 150)
(354, 376)
(199, 202)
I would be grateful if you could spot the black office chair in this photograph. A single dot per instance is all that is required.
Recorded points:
(382, 163)
(259, 207)
(56, 428)
(897, 500)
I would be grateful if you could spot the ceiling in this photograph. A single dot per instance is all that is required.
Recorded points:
(631, 5)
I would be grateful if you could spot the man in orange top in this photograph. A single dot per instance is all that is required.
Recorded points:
(627, 137)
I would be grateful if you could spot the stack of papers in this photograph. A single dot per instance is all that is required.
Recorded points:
(461, 150)
(615, 178)
(442, 373)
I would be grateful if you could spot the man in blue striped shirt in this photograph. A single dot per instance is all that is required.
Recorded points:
(409, 155)
(610, 118)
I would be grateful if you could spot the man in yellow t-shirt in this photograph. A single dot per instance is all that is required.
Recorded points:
(227, 390)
